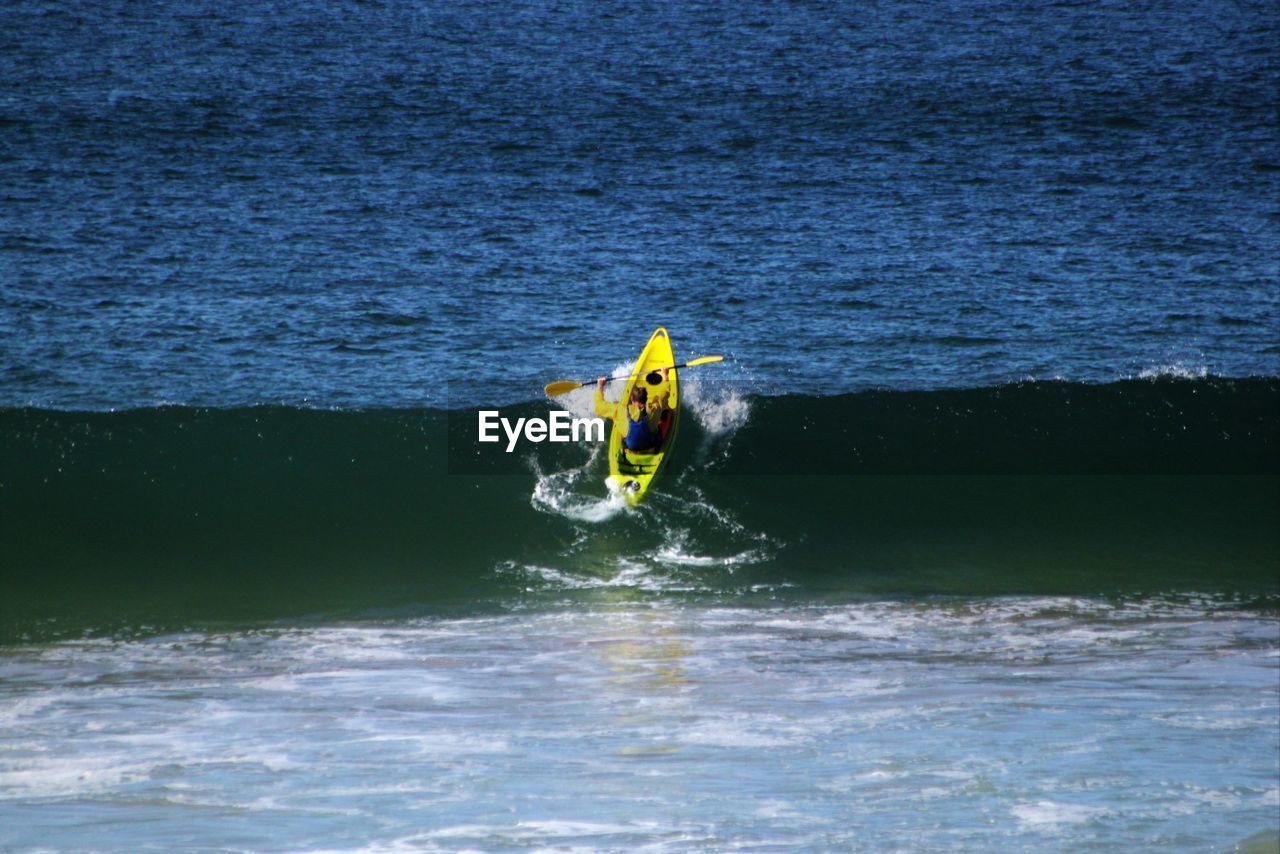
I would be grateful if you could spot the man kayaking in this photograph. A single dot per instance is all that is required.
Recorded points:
(642, 419)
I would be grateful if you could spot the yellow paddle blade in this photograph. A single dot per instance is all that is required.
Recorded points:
(705, 360)
(558, 388)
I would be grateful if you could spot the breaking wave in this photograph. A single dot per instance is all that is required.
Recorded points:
(152, 518)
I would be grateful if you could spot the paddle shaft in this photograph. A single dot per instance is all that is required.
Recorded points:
(629, 376)
(565, 386)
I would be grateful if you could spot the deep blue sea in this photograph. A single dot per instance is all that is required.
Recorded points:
(970, 544)
(375, 203)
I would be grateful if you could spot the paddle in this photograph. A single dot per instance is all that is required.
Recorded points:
(558, 388)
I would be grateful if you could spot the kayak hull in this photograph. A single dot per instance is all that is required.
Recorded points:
(633, 473)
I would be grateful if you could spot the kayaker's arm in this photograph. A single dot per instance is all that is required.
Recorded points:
(604, 408)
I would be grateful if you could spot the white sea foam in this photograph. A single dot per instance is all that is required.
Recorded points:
(719, 410)
(675, 554)
(556, 578)
(859, 713)
(758, 731)
(439, 744)
(556, 493)
(30, 708)
(629, 573)
(571, 835)
(1174, 370)
(1052, 816)
(61, 776)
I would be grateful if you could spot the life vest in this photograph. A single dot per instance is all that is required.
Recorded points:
(640, 435)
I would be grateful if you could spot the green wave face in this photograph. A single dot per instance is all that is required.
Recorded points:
(154, 519)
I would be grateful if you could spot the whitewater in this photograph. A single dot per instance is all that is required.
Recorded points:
(1014, 723)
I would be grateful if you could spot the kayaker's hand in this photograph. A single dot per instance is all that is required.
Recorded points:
(600, 385)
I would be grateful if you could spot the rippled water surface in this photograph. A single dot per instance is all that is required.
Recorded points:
(348, 204)
(957, 724)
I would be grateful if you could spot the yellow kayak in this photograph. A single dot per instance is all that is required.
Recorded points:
(631, 471)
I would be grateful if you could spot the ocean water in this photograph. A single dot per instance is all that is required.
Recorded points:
(390, 203)
(970, 544)
(1018, 724)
